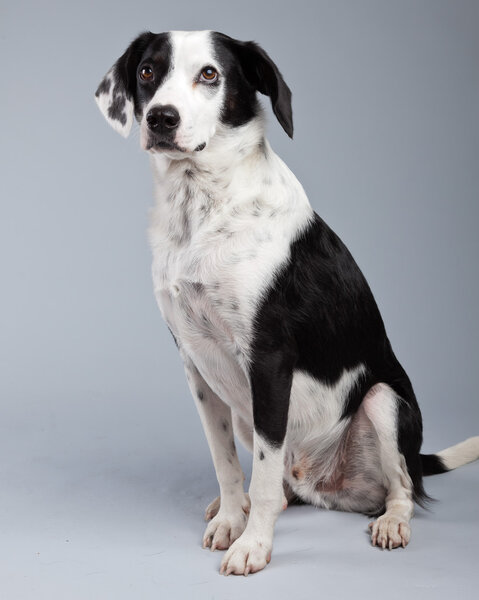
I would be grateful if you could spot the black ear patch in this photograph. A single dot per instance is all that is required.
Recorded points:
(261, 74)
(116, 93)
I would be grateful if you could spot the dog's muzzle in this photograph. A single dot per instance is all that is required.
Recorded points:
(162, 122)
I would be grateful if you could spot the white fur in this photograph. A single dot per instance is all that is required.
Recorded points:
(460, 454)
(391, 529)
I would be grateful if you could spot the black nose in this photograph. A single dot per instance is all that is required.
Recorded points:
(163, 118)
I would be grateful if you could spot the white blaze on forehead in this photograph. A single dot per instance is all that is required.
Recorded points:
(199, 107)
(191, 49)
(190, 52)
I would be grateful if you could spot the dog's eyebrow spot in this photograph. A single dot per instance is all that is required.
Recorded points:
(261, 455)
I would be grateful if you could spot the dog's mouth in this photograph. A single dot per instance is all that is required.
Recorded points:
(160, 145)
(156, 145)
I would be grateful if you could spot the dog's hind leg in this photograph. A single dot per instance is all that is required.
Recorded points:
(231, 511)
(391, 530)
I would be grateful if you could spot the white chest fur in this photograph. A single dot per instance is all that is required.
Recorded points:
(221, 228)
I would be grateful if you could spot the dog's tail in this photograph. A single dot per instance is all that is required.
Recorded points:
(451, 458)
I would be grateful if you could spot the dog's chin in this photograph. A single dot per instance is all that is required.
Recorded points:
(169, 147)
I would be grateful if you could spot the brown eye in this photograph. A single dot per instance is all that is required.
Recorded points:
(146, 74)
(209, 74)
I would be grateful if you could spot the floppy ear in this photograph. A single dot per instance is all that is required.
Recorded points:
(115, 95)
(261, 72)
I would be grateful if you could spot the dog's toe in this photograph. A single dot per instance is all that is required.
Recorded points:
(246, 556)
(389, 532)
(224, 529)
(212, 509)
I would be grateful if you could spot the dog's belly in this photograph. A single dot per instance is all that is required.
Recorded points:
(330, 461)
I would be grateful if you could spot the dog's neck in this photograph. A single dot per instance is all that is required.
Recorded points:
(230, 186)
(227, 154)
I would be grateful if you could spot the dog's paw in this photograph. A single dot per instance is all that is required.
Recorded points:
(213, 508)
(389, 532)
(224, 529)
(246, 555)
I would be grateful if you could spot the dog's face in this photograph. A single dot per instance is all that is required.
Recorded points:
(181, 85)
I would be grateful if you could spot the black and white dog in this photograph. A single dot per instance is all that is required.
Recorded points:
(281, 338)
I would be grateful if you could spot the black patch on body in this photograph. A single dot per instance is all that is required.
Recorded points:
(320, 317)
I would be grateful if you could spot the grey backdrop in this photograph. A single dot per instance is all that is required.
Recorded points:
(104, 469)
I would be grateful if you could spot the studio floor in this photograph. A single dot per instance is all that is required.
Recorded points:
(84, 516)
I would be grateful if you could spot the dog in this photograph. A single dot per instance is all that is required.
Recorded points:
(282, 341)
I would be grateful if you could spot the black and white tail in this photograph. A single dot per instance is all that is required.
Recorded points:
(451, 458)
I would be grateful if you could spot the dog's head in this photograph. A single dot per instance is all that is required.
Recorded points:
(181, 85)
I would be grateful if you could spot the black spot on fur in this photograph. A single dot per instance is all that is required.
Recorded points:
(224, 425)
(262, 147)
(104, 87)
(261, 455)
(200, 395)
(198, 287)
(116, 110)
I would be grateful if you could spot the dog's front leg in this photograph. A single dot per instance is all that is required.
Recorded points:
(230, 520)
(271, 378)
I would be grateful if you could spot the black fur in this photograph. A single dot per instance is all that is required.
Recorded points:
(321, 317)
(249, 69)
(432, 465)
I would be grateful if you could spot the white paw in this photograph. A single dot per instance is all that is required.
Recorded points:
(224, 529)
(213, 507)
(246, 555)
(389, 531)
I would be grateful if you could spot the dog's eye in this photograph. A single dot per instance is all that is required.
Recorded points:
(146, 74)
(209, 74)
